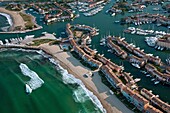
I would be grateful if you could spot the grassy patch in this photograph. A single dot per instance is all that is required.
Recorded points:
(41, 41)
(29, 24)
(55, 42)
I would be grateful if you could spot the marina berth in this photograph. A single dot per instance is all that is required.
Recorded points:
(164, 106)
(130, 81)
(116, 48)
(80, 66)
(164, 42)
(153, 59)
(140, 102)
(139, 31)
(107, 62)
(128, 78)
(94, 11)
(136, 51)
(139, 52)
(164, 77)
(147, 94)
(146, 18)
(56, 12)
(81, 52)
(151, 109)
(136, 60)
(155, 100)
(93, 31)
(89, 50)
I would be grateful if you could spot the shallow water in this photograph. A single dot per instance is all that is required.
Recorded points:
(107, 26)
(56, 95)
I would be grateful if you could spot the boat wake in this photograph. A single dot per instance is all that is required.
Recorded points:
(35, 81)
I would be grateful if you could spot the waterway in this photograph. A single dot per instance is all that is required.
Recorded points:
(106, 24)
(59, 93)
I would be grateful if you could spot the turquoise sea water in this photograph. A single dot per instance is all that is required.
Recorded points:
(3, 22)
(58, 94)
(107, 26)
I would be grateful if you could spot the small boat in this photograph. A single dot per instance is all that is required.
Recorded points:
(30, 9)
(109, 50)
(136, 65)
(156, 9)
(117, 21)
(144, 72)
(137, 79)
(63, 33)
(113, 14)
(28, 89)
(156, 82)
(54, 33)
(43, 33)
(159, 48)
(103, 40)
(131, 11)
(153, 79)
(29, 36)
(148, 75)
(162, 48)
(122, 67)
(133, 32)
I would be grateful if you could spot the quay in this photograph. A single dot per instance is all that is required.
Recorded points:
(154, 99)
(52, 17)
(141, 59)
(113, 73)
(146, 18)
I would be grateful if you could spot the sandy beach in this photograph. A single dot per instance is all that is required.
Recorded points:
(110, 102)
(18, 21)
(16, 18)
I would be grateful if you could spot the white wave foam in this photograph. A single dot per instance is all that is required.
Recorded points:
(24, 50)
(67, 79)
(80, 95)
(82, 92)
(40, 52)
(43, 54)
(35, 81)
(8, 17)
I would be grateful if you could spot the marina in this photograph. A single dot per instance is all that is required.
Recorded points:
(94, 45)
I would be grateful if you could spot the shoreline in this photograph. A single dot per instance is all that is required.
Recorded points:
(20, 32)
(8, 17)
(111, 104)
(18, 21)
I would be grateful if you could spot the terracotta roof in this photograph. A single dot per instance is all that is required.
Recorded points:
(128, 91)
(139, 98)
(151, 109)
(147, 93)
